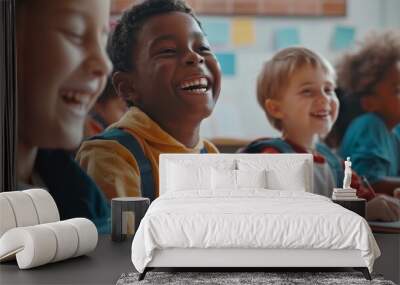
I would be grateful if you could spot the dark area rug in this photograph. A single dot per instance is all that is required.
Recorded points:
(228, 278)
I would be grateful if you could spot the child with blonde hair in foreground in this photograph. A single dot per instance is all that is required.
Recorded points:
(62, 69)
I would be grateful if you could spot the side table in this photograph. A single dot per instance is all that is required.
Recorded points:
(126, 214)
(357, 205)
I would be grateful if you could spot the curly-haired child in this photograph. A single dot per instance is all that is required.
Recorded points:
(165, 69)
(370, 78)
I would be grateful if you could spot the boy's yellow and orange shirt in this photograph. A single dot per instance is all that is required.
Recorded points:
(114, 168)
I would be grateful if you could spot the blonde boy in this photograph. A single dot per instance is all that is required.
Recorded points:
(296, 89)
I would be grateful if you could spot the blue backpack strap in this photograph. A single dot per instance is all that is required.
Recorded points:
(99, 119)
(131, 143)
(259, 145)
(335, 163)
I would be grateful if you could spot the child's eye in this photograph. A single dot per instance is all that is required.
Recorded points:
(168, 51)
(306, 92)
(205, 48)
(329, 91)
(76, 38)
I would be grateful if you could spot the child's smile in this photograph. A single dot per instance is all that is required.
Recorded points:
(309, 106)
(193, 86)
(324, 114)
(62, 69)
(196, 89)
(78, 101)
(172, 51)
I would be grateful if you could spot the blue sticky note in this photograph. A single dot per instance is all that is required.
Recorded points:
(217, 31)
(227, 62)
(343, 37)
(287, 37)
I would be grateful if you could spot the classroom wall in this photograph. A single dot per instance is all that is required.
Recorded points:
(237, 114)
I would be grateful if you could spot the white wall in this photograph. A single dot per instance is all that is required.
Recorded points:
(237, 113)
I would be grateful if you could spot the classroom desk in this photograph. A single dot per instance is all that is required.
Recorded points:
(102, 266)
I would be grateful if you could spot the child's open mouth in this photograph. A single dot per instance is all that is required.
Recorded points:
(195, 86)
(76, 101)
(322, 115)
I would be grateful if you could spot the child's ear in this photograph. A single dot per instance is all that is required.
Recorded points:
(370, 103)
(273, 107)
(124, 86)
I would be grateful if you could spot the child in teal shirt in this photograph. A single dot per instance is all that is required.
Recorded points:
(371, 77)
(397, 131)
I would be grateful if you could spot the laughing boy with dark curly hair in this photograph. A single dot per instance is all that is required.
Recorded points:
(166, 71)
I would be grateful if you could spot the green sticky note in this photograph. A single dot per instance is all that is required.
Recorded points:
(287, 37)
(343, 37)
(217, 32)
(227, 62)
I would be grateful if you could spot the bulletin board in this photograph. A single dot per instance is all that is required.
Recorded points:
(283, 8)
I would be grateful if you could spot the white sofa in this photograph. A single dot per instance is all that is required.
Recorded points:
(31, 231)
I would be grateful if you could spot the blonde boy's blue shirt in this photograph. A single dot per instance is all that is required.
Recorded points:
(373, 148)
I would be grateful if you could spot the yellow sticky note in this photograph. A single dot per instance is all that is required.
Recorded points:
(243, 32)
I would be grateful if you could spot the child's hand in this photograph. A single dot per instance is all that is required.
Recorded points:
(384, 208)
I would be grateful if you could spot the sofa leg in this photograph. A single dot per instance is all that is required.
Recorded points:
(143, 274)
(364, 271)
